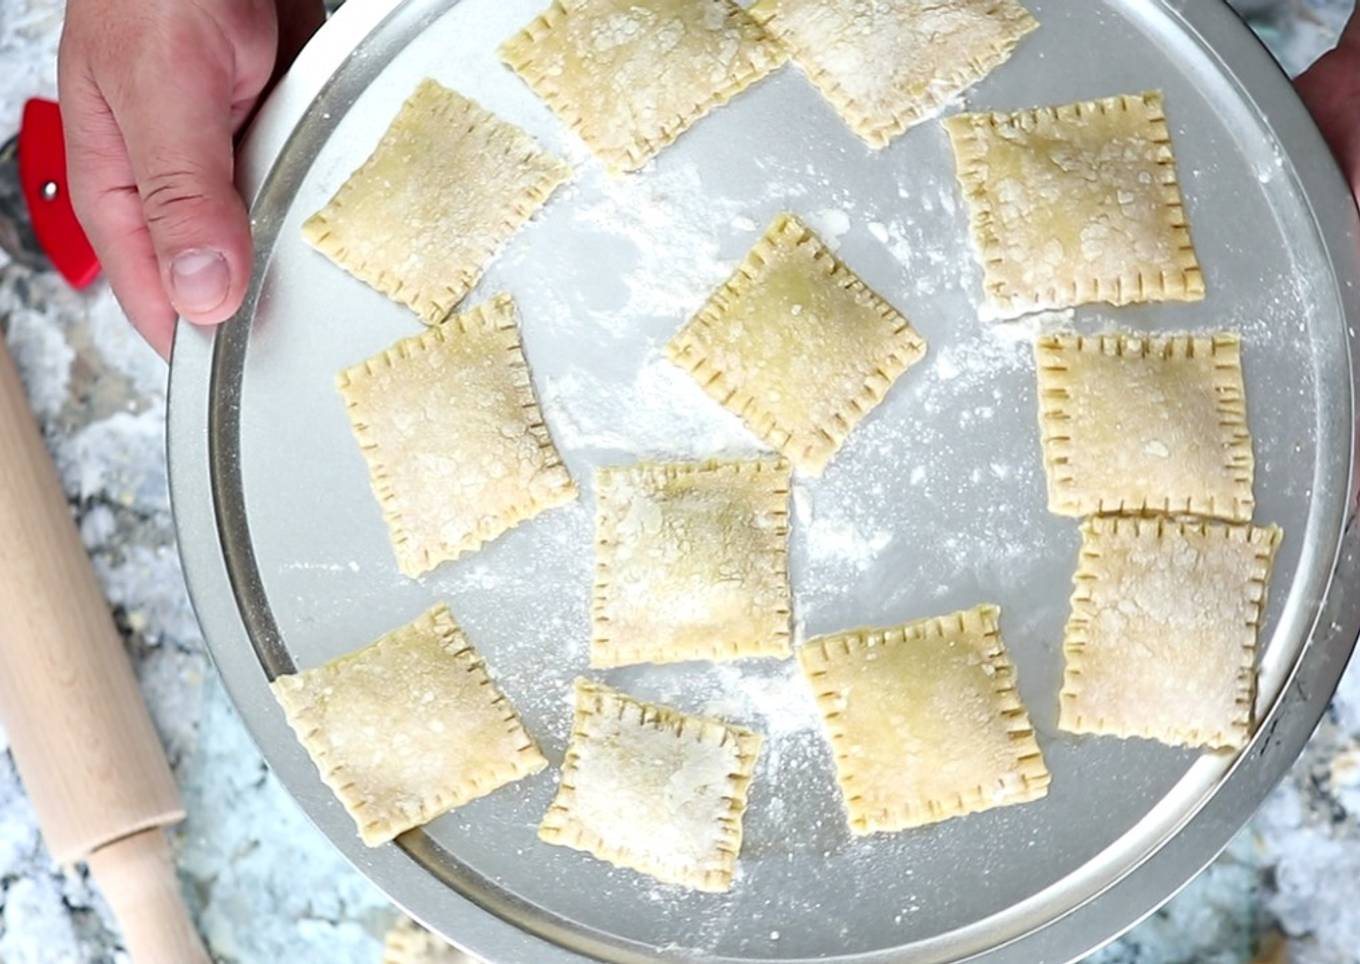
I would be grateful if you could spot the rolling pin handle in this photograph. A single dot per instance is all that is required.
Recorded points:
(137, 877)
(80, 734)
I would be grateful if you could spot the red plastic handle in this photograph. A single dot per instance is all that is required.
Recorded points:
(42, 176)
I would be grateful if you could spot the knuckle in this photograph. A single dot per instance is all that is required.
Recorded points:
(165, 56)
(91, 202)
(184, 47)
(173, 196)
(251, 22)
(103, 213)
(258, 45)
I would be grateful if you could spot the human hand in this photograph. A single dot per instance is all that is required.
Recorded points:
(152, 93)
(1331, 89)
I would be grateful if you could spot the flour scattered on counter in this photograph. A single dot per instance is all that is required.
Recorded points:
(29, 32)
(663, 414)
(37, 924)
(965, 367)
(147, 582)
(118, 457)
(98, 527)
(19, 841)
(630, 215)
(481, 577)
(640, 210)
(44, 361)
(803, 505)
(929, 256)
(1026, 328)
(831, 224)
(841, 540)
(321, 567)
(894, 235)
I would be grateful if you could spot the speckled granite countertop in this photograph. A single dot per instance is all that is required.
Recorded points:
(263, 884)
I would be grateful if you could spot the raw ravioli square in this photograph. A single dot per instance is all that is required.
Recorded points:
(652, 789)
(408, 727)
(1132, 423)
(1076, 204)
(446, 186)
(886, 66)
(797, 345)
(924, 721)
(691, 562)
(456, 446)
(629, 76)
(1161, 642)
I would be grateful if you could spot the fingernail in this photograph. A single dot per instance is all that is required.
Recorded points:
(199, 279)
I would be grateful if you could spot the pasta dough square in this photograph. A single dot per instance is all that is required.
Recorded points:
(409, 943)
(455, 443)
(924, 720)
(1076, 204)
(888, 66)
(1132, 424)
(1161, 642)
(691, 562)
(408, 727)
(630, 76)
(447, 185)
(797, 346)
(653, 789)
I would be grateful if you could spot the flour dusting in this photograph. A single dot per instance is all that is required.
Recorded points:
(664, 232)
(842, 540)
(662, 413)
(779, 705)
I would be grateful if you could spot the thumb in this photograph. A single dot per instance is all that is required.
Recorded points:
(179, 142)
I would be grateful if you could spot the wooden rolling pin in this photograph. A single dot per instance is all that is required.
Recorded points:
(79, 731)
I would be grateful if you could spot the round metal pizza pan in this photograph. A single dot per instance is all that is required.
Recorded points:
(936, 503)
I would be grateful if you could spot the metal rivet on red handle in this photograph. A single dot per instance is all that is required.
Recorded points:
(42, 176)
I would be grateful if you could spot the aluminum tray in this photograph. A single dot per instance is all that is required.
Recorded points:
(936, 502)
